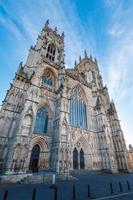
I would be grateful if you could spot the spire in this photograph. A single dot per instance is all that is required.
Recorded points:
(95, 60)
(63, 34)
(55, 30)
(130, 147)
(85, 54)
(113, 106)
(75, 63)
(90, 56)
(79, 58)
(20, 67)
(46, 23)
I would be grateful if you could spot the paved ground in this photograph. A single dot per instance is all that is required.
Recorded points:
(123, 196)
(99, 187)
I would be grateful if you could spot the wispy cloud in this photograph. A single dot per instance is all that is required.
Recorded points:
(7, 21)
(117, 30)
(118, 62)
(120, 52)
(119, 56)
(69, 22)
(108, 36)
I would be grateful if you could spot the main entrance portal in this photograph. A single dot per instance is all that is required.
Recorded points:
(78, 159)
(34, 158)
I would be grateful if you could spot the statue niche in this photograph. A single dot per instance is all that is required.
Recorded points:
(27, 123)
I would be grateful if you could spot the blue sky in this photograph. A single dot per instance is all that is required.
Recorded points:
(103, 27)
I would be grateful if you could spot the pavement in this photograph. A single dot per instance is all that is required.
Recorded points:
(98, 184)
(124, 196)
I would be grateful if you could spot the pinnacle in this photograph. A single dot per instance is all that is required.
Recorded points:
(47, 23)
(85, 54)
(55, 30)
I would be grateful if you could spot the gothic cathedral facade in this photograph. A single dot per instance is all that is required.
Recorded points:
(57, 118)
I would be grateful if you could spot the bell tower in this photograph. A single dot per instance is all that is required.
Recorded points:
(49, 48)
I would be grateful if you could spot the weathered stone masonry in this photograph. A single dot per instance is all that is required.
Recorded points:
(57, 118)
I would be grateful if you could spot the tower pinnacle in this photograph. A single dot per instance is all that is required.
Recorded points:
(47, 23)
(55, 29)
(85, 54)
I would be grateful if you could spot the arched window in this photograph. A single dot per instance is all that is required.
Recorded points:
(82, 162)
(78, 114)
(50, 52)
(75, 159)
(41, 122)
(47, 79)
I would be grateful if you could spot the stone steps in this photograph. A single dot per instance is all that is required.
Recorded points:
(32, 179)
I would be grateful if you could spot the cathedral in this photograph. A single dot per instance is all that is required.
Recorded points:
(57, 118)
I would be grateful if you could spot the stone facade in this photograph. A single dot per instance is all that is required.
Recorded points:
(130, 152)
(94, 143)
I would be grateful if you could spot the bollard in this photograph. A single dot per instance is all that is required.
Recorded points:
(34, 194)
(52, 186)
(53, 179)
(120, 186)
(5, 195)
(74, 195)
(55, 192)
(89, 194)
(111, 188)
(128, 186)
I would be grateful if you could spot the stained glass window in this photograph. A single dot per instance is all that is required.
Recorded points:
(47, 79)
(41, 122)
(78, 114)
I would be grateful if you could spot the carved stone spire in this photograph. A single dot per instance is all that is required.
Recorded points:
(85, 54)
(47, 23)
(55, 30)
(20, 67)
(63, 35)
(95, 60)
(75, 63)
(90, 56)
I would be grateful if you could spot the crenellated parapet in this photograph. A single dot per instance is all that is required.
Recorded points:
(51, 31)
(85, 59)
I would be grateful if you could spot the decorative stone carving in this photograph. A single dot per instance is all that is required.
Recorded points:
(44, 81)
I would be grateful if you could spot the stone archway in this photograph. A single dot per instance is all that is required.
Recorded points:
(34, 158)
(75, 158)
(82, 160)
(78, 159)
(80, 152)
(38, 157)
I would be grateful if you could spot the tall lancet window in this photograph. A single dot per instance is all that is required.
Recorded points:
(51, 52)
(41, 122)
(78, 114)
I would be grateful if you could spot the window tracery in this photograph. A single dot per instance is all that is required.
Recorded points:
(41, 122)
(78, 114)
(77, 93)
(47, 79)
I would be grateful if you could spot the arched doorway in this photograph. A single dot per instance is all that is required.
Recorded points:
(82, 162)
(75, 159)
(34, 158)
